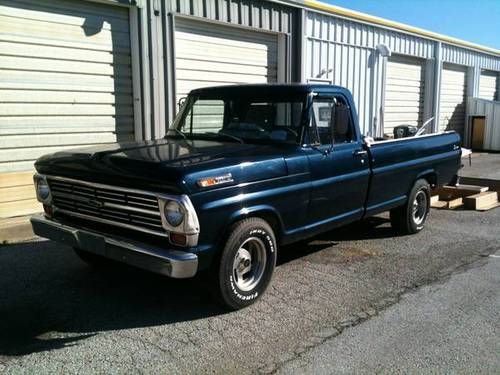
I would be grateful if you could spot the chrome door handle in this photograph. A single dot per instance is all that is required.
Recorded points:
(360, 152)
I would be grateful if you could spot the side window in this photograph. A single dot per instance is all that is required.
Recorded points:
(332, 113)
(322, 118)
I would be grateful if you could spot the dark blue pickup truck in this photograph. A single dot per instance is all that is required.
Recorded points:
(241, 171)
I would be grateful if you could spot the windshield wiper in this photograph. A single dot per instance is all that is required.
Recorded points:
(227, 136)
(178, 132)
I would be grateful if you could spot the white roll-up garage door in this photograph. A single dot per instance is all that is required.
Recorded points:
(488, 85)
(210, 55)
(452, 98)
(404, 93)
(65, 81)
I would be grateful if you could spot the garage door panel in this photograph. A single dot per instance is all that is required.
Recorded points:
(489, 85)
(226, 66)
(403, 117)
(215, 58)
(225, 54)
(452, 98)
(74, 54)
(395, 95)
(223, 40)
(62, 66)
(73, 97)
(222, 56)
(32, 31)
(67, 13)
(33, 153)
(404, 88)
(10, 79)
(59, 139)
(44, 109)
(65, 78)
(197, 75)
(190, 30)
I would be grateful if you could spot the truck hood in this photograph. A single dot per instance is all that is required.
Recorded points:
(167, 165)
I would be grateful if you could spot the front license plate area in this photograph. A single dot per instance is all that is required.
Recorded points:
(91, 242)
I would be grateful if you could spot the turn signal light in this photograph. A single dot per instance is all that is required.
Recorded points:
(178, 239)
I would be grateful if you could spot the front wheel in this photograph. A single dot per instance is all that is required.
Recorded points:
(246, 264)
(410, 218)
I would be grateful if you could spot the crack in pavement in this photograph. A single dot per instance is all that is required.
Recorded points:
(331, 332)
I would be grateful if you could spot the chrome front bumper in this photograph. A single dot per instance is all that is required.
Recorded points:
(172, 263)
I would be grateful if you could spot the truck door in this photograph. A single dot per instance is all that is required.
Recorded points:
(339, 166)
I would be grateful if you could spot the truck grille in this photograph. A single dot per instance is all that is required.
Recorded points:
(117, 206)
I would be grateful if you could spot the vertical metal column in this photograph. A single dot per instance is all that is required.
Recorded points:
(438, 67)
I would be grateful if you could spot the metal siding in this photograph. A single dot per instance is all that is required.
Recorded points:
(488, 85)
(404, 93)
(452, 98)
(462, 56)
(258, 14)
(342, 52)
(65, 78)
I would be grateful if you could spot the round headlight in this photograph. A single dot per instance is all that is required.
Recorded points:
(42, 190)
(174, 213)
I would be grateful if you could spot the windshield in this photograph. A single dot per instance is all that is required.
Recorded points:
(242, 119)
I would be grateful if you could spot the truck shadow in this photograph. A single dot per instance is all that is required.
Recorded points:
(372, 228)
(49, 299)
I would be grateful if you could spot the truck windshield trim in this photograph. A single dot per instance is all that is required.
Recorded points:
(244, 119)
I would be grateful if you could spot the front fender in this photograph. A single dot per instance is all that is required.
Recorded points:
(262, 210)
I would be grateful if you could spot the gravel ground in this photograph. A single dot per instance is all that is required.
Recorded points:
(57, 314)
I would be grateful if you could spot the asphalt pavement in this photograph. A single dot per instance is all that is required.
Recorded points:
(449, 327)
(59, 315)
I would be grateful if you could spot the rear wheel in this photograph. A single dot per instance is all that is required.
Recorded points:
(246, 264)
(411, 217)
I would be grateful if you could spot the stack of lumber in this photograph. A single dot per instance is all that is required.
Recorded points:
(471, 197)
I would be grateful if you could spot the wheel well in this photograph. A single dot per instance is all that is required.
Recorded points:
(431, 178)
(269, 216)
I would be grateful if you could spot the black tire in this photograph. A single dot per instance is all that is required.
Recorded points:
(252, 236)
(92, 259)
(404, 219)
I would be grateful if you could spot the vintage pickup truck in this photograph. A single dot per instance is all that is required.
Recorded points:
(241, 171)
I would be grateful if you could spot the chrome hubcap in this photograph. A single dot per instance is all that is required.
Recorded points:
(249, 264)
(420, 207)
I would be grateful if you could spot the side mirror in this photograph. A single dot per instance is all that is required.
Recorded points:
(181, 102)
(368, 141)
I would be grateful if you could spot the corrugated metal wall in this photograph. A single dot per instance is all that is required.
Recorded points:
(258, 14)
(462, 56)
(342, 51)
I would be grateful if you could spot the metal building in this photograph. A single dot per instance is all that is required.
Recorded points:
(81, 72)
